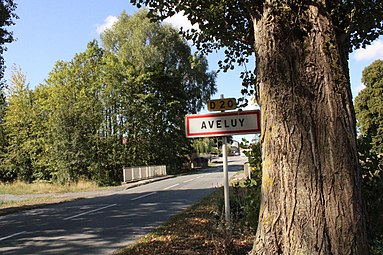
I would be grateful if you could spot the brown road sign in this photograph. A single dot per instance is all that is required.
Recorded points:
(222, 104)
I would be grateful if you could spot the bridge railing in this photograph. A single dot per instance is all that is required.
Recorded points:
(143, 172)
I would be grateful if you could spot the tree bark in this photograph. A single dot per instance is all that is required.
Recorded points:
(311, 194)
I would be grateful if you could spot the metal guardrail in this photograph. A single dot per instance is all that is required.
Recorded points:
(143, 172)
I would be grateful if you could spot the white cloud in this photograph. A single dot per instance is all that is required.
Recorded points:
(252, 105)
(108, 23)
(179, 20)
(357, 89)
(371, 52)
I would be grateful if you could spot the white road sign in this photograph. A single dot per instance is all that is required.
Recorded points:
(223, 124)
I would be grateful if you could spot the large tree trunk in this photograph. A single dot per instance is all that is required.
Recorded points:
(311, 198)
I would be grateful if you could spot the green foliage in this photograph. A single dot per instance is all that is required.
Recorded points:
(74, 117)
(230, 25)
(369, 109)
(369, 106)
(18, 130)
(245, 203)
(204, 145)
(25, 129)
(222, 24)
(376, 246)
(255, 159)
(247, 193)
(166, 82)
(137, 87)
(158, 50)
(7, 16)
(372, 187)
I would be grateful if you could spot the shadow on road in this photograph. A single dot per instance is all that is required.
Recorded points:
(81, 227)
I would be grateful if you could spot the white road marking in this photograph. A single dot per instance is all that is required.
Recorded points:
(197, 177)
(10, 236)
(175, 185)
(95, 210)
(149, 194)
(189, 180)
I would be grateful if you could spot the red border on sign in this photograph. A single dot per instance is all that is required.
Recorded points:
(222, 133)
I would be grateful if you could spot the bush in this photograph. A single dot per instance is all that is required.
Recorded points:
(372, 187)
(245, 203)
(246, 194)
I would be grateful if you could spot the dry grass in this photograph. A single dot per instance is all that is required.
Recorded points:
(21, 188)
(8, 207)
(198, 230)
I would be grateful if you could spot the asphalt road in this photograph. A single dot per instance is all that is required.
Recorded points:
(105, 223)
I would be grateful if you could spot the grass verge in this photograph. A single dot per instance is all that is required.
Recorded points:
(8, 207)
(198, 230)
(48, 191)
(21, 188)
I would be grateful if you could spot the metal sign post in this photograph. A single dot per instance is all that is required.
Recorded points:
(226, 179)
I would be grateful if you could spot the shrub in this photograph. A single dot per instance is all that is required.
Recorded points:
(372, 186)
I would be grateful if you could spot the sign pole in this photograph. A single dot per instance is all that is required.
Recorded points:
(226, 178)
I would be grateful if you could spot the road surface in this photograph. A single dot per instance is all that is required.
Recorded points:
(103, 224)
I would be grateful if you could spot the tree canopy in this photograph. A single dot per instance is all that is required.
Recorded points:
(7, 17)
(136, 39)
(230, 24)
(369, 112)
(137, 87)
(369, 106)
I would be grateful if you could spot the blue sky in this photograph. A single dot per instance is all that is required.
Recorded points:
(49, 30)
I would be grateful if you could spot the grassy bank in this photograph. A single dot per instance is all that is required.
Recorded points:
(21, 188)
(46, 188)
